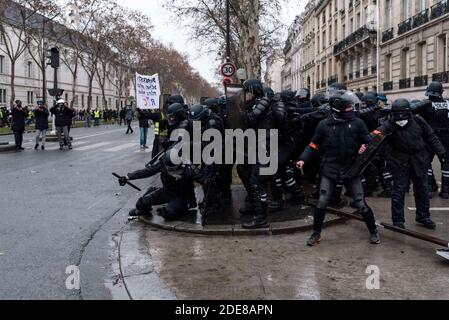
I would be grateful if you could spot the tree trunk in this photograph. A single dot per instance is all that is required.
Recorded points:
(74, 81)
(249, 53)
(13, 86)
(89, 95)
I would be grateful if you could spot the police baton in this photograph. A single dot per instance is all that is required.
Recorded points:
(128, 183)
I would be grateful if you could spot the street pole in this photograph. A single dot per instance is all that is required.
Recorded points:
(44, 54)
(228, 32)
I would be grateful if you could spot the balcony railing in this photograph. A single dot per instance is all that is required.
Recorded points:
(404, 83)
(421, 81)
(439, 9)
(357, 74)
(351, 76)
(353, 38)
(332, 80)
(388, 86)
(421, 18)
(373, 69)
(405, 26)
(365, 72)
(441, 77)
(388, 35)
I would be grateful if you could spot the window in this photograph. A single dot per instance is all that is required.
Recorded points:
(2, 95)
(387, 67)
(324, 40)
(82, 100)
(330, 34)
(405, 9)
(351, 25)
(442, 53)
(421, 59)
(405, 70)
(388, 14)
(343, 31)
(421, 5)
(30, 97)
(2, 64)
(98, 102)
(358, 21)
(29, 69)
(66, 97)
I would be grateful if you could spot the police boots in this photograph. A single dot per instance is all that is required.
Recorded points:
(445, 189)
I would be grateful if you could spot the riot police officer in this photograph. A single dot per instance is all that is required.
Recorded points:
(176, 178)
(341, 135)
(208, 120)
(436, 112)
(409, 139)
(257, 117)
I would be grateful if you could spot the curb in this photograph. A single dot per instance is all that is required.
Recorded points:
(137, 270)
(6, 148)
(275, 228)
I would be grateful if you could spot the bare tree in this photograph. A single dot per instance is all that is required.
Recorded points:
(255, 28)
(15, 22)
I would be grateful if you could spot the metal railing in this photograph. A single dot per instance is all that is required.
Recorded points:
(405, 26)
(388, 86)
(404, 83)
(421, 81)
(353, 38)
(388, 35)
(421, 18)
(439, 9)
(441, 77)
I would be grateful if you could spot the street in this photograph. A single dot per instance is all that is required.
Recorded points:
(64, 208)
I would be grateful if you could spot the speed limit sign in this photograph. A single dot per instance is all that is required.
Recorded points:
(228, 69)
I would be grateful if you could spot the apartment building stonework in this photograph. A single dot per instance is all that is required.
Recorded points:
(414, 46)
(396, 47)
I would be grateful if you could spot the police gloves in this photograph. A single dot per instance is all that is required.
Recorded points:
(123, 180)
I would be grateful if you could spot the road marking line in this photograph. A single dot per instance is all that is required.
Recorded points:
(93, 146)
(56, 145)
(432, 209)
(100, 134)
(121, 147)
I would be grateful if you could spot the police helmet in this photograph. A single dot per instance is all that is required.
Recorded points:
(401, 110)
(303, 94)
(435, 89)
(255, 87)
(197, 112)
(342, 100)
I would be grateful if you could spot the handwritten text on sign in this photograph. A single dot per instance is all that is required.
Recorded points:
(148, 91)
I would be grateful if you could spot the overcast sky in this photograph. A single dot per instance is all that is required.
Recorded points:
(169, 30)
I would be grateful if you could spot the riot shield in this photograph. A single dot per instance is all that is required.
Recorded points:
(235, 106)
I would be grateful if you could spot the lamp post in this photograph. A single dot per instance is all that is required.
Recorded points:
(228, 32)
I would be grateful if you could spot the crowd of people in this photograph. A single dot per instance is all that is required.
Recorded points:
(19, 117)
(338, 141)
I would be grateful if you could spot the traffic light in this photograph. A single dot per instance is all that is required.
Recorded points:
(54, 58)
(56, 92)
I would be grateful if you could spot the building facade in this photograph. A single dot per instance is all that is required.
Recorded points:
(274, 69)
(394, 47)
(414, 46)
(28, 79)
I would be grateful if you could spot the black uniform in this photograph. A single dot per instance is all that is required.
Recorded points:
(172, 192)
(258, 116)
(19, 115)
(411, 148)
(436, 112)
(288, 123)
(208, 120)
(340, 136)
